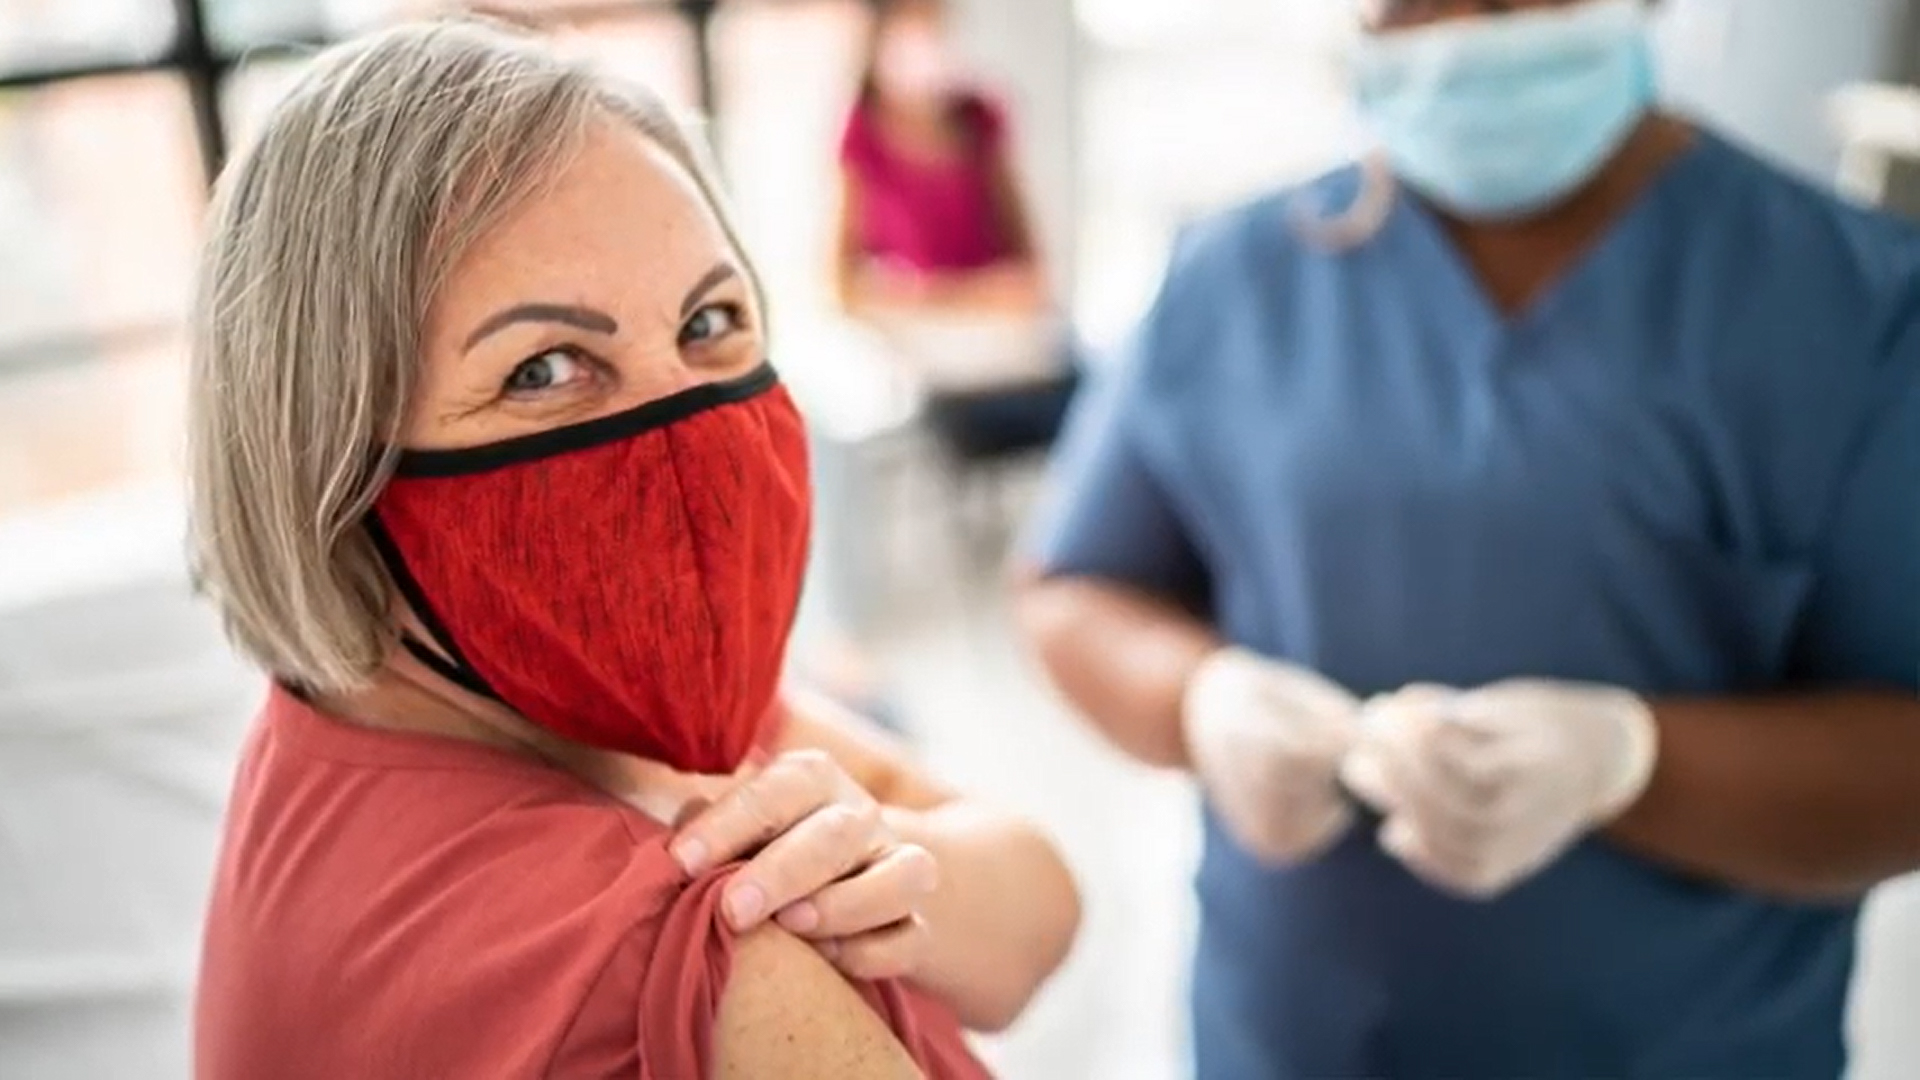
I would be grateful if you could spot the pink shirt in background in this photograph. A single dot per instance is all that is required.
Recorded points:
(399, 907)
(930, 216)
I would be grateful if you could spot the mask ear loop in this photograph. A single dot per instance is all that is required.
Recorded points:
(1363, 217)
(453, 666)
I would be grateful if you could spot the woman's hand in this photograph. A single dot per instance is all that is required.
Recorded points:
(823, 863)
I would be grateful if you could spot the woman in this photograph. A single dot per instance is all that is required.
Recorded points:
(1559, 509)
(491, 476)
(934, 226)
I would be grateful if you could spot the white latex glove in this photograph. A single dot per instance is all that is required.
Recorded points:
(1267, 739)
(1483, 789)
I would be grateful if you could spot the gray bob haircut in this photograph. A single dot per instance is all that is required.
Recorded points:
(327, 240)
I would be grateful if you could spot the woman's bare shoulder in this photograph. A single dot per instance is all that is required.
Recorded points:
(786, 1012)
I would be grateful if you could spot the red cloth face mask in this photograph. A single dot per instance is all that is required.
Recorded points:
(629, 582)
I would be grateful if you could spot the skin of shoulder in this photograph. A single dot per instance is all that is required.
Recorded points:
(787, 1013)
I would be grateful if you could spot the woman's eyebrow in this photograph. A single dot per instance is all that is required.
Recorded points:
(711, 280)
(597, 322)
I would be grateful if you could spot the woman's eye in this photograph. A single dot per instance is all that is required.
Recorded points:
(550, 370)
(711, 323)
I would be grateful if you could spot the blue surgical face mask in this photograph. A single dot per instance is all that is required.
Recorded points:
(1502, 116)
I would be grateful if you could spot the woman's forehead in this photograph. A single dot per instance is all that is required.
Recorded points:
(619, 216)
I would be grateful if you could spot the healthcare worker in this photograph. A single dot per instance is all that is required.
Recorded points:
(1531, 577)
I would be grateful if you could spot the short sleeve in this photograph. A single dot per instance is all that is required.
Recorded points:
(687, 969)
(1862, 622)
(686, 974)
(1108, 513)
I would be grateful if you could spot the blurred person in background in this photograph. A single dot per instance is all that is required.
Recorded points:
(936, 230)
(491, 476)
(1518, 535)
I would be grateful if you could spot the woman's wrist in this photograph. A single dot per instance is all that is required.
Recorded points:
(1003, 916)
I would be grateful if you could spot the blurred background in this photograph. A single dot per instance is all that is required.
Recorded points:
(120, 711)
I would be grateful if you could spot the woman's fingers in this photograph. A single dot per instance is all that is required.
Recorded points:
(822, 856)
(889, 890)
(824, 847)
(893, 952)
(757, 809)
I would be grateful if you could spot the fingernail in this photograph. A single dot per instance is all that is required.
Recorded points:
(801, 918)
(745, 904)
(691, 855)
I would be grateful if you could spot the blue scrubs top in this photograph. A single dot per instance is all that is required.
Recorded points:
(1691, 468)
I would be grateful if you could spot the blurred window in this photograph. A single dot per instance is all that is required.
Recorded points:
(111, 113)
(648, 43)
(100, 191)
(1240, 97)
(47, 35)
(785, 72)
(653, 44)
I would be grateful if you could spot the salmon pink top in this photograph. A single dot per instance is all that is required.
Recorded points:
(391, 907)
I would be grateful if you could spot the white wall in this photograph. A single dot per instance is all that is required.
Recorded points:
(1029, 49)
(1763, 68)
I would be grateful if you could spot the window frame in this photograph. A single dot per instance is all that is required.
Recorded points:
(197, 60)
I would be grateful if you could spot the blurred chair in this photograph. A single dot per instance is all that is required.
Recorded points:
(997, 390)
(121, 715)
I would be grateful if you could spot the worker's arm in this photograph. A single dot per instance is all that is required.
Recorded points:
(1005, 911)
(786, 1012)
(1815, 797)
(1817, 793)
(1122, 656)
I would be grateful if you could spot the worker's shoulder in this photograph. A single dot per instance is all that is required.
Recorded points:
(1815, 229)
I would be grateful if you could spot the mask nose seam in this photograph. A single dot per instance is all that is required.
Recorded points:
(700, 567)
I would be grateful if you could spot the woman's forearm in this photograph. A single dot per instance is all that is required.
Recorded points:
(1813, 797)
(1006, 909)
(1005, 913)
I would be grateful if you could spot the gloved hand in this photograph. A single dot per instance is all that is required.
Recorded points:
(1483, 789)
(1267, 739)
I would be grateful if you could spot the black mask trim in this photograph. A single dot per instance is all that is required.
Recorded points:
(454, 666)
(585, 436)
